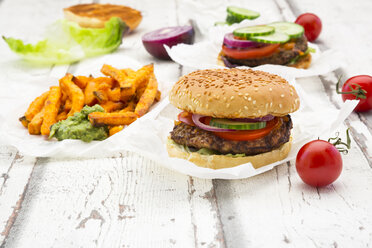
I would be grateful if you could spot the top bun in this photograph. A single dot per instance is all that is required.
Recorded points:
(234, 93)
(95, 15)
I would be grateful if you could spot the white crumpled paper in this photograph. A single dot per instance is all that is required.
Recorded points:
(203, 54)
(148, 136)
(13, 133)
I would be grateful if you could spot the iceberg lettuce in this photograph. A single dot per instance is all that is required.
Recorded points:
(67, 42)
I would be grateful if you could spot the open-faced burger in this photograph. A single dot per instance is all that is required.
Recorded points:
(232, 117)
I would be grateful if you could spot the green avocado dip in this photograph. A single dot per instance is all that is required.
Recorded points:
(79, 127)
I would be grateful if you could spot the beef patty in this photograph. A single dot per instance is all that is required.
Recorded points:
(195, 137)
(282, 57)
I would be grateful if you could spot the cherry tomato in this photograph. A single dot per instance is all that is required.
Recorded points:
(186, 117)
(248, 134)
(250, 53)
(312, 25)
(319, 163)
(365, 83)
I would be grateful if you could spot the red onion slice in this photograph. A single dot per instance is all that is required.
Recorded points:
(154, 41)
(231, 41)
(196, 119)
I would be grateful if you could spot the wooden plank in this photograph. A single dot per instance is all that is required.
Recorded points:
(114, 203)
(14, 183)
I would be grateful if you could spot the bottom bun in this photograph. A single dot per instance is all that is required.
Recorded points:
(303, 63)
(223, 161)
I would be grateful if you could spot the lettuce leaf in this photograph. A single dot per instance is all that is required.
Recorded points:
(67, 42)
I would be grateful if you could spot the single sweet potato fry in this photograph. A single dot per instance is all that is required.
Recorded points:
(148, 97)
(102, 92)
(51, 108)
(68, 105)
(24, 121)
(110, 106)
(135, 80)
(118, 75)
(36, 106)
(115, 129)
(74, 92)
(81, 81)
(112, 119)
(158, 96)
(62, 116)
(131, 106)
(114, 94)
(35, 125)
(90, 99)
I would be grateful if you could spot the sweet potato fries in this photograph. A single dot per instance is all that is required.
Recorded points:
(124, 94)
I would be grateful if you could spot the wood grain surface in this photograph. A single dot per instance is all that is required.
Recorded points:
(133, 202)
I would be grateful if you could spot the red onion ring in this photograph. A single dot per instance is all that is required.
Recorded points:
(231, 41)
(196, 119)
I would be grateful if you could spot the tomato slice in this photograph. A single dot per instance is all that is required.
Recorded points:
(249, 134)
(186, 117)
(250, 53)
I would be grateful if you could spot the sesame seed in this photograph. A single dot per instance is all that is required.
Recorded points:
(246, 107)
(282, 95)
(270, 89)
(280, 105)
(249, 98)
(254, 102)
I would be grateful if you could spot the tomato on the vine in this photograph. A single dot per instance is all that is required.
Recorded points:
(359, 88)
(319, 162)
(312, 25)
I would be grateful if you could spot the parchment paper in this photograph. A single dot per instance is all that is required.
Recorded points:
(203, 54)
(148, 136)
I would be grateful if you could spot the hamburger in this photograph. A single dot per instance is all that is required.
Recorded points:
(95, 15)
(279, 43)
(231, 117)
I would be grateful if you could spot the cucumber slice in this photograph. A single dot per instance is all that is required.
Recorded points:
(274, 38)
(293, 30)
(230, 19)
(240, 13)
(251, 31)
(229, 124)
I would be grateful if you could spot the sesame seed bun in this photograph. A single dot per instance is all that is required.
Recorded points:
(95, 15)
(222, 161)
(234, 93)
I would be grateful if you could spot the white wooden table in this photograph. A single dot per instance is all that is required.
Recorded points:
(133, 202)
